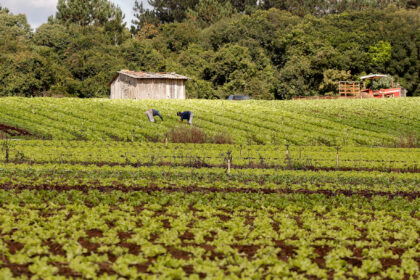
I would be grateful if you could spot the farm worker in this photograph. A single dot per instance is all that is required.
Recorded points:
(187, 115)
(152, 113)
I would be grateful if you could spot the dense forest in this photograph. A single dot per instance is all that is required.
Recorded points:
(274, 49)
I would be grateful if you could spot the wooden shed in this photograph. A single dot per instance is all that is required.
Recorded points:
(143, 85)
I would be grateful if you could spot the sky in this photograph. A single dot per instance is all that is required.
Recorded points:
(38, 11)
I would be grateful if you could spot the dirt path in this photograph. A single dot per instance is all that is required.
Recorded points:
(13, 131)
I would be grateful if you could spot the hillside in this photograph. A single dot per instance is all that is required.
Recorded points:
(276, 51)
(387, 122)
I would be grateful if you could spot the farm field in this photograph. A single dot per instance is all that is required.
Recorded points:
(106, 210)
(387, 122)
(82, 196)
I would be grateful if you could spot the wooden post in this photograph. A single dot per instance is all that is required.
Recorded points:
(288, 160)
(166, 141)
(336, 163)
(347, 136)
(228, 171)
(337, 160)
(6, 148)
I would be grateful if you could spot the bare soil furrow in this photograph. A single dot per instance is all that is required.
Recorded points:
(189, 189)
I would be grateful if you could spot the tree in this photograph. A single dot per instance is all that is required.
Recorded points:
(141, 56)
(115, 27)
(93, 13)
(138, 10)
(327, 7)
(175, 37)
(13, 26)
(52, 35)
(295, 78)
(233, 71)
(142, 17)
(380, 54)
(242, 5)
(88, 12)
(224, 47)
(6, 10)
(23, 68)
(207, 12)
(329, 85)
(172, 10)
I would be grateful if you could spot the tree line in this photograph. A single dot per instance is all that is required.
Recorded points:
(274, 49)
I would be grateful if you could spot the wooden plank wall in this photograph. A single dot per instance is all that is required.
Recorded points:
(125, 87)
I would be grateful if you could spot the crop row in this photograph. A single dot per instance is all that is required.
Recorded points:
(185, 179)
(339, 122)
(212, 155)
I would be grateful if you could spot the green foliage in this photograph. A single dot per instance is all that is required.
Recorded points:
(54, 36)
(30, 75)
(332, 77)
(201, 89)
(326, 7)
(142, 18)
(141, 56)
(176, 37)
(172, 10)
(2, 9)
(13, 25)
(294, 78)
(232, 70)
(385, 82)
(380, 53)
(226, 47)
(208, 12)
(90, 12)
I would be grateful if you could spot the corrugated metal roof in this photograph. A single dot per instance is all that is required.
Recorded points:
(148, 75)
(373, 76)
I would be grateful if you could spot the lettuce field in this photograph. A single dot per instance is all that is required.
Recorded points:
(368, 122)
(309, 190)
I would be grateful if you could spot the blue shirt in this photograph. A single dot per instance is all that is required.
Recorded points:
(185, 115)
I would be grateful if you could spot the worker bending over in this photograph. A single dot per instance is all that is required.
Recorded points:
(152, 113)
(187, 115)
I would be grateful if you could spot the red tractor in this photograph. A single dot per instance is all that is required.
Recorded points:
(388, 92)
(350, 89)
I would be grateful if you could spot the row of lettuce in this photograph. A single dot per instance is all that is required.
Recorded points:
(210, 155)
(168, 178)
